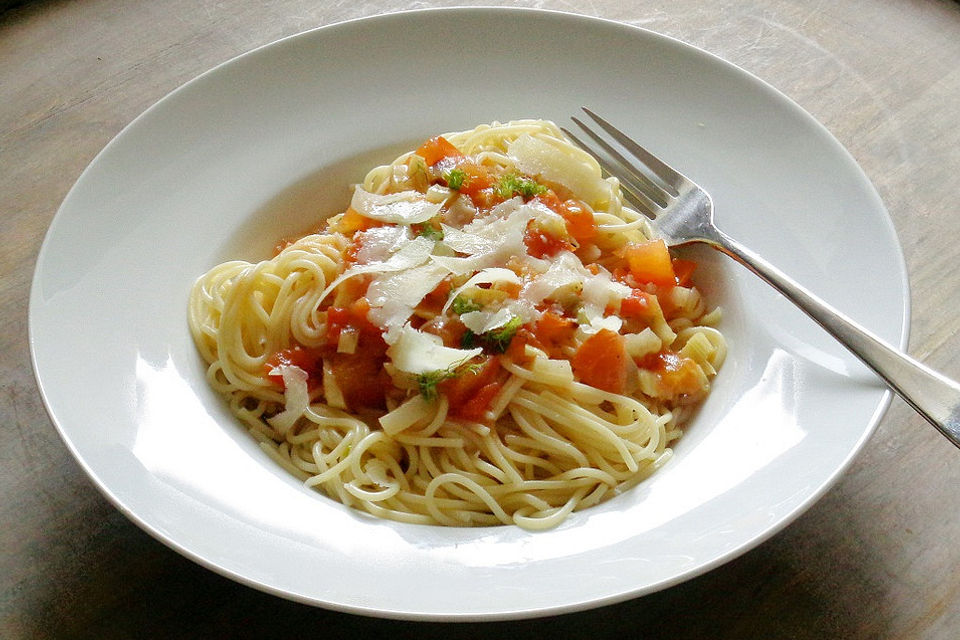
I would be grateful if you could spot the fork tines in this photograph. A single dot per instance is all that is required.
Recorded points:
(647, 182)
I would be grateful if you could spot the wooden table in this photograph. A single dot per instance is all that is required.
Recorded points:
(877, 557)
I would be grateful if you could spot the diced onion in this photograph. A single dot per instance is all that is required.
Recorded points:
(641, 344)
(349, 338)
(406, 415)
(550, 371)
(331, 390)
(296, 397)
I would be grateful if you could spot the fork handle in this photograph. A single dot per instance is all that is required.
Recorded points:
(933, 395)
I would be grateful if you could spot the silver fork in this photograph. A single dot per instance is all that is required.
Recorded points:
(682, 212)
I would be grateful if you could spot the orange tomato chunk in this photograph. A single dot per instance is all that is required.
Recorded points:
(460, 391)
(553, 332)
(361, 376)
(353, 221)
(353, 316)
(650, 262)
(684, 271)
(602, 361)
(309, 360)
(677, 376)
(639, 304)
(475, 408)
(580, 222)
(541, 244)
(436, 149)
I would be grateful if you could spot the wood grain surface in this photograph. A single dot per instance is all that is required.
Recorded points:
(877, 557)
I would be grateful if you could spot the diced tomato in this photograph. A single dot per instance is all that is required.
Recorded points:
(310, 360)
(553, 331)
(602, 361)
(517, 352)
(577, 215)
(477, 406)
(580, 222)
(361, 376)
(637, 305)
(684, 271)
(485, 199)
(541, 244)
(352, 221)
(351, 252)
(550, 199)
(436, 149)
(477, 178)
(355, 316)
(433, 302)
(676, 375)
(650, 262)
(461, 390)
(450, 329)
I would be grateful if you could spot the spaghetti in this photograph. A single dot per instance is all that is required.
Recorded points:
(486, 335)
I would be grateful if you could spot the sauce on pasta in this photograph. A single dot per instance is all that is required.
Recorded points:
(486, 335)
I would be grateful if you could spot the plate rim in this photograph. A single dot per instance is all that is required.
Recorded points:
(512, 614)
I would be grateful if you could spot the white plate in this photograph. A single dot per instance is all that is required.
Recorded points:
(263, 145)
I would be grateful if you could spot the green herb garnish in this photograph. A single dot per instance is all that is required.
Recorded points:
(497, 340)
(455, 178)
(512, 184)
(427, 382)
(461, 305)
(430, 232)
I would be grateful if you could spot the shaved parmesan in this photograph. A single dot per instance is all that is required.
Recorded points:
(501, 231)
(405, 207)
(564, 272)
(379, 243)
(554, 162)
(483, 321)
(485, 276)
(412, 254)
(460, 211)
(469, 243)
(418, 353)
(601, 290)
(461, 266)
(296, 397)
(393, 296)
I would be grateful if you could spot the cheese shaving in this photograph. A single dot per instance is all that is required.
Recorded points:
(485, 276)
(405, 207)
(418, 353)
